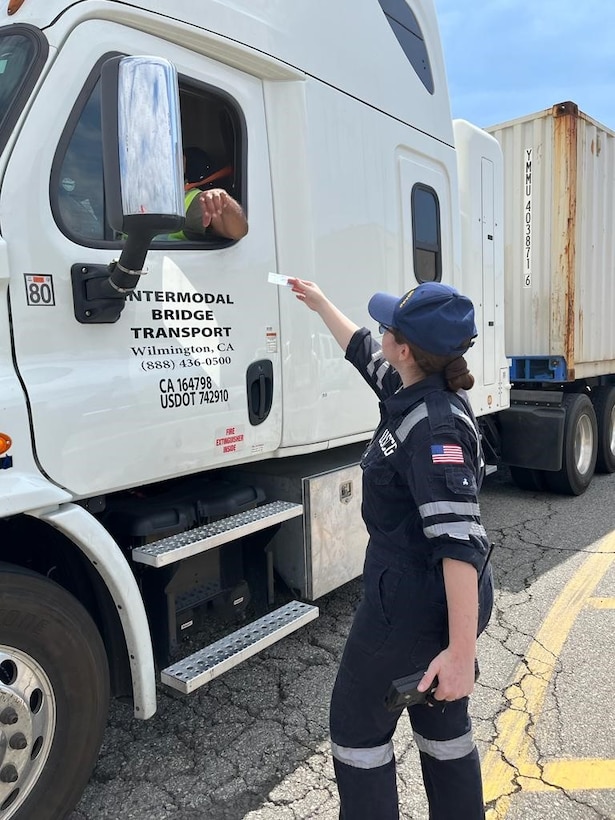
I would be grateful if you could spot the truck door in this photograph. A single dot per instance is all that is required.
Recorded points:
(425, 215)
(188, 377)
(479, 168)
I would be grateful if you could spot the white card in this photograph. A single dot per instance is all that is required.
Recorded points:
(278, 279)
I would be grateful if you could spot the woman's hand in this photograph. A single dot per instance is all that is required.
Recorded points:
(309, 293)
(455, 676)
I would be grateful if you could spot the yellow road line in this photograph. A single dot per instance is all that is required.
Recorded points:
(581, 775)
(601, 603)
(511, 762)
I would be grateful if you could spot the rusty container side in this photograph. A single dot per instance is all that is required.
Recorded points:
(564, 237)
(595, 252)
(559, 235)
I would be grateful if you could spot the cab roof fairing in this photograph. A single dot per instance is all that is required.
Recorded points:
(355, 51)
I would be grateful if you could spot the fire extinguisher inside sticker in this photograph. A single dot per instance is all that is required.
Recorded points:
(39, 290)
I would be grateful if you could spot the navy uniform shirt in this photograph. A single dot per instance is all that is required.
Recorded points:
(423, 467)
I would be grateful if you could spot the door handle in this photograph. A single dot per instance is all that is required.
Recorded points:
(259, 386)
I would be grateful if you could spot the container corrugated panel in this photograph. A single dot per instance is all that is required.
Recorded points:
(559, 238)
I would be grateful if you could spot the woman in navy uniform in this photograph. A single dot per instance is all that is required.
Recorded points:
(428, 589)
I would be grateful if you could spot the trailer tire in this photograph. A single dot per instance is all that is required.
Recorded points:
(54, 697)
(525, 478)
(604, 404)
(580, 447)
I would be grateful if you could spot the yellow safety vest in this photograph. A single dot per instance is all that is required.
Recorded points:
(190, 195)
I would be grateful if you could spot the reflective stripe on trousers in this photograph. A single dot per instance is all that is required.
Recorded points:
(367, 784)
(377, 756)
(446, 749)
(363, 758)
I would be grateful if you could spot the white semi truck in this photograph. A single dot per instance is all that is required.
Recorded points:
(179, 439)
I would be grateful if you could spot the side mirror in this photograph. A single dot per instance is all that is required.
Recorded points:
(142, 147)
(143, 174)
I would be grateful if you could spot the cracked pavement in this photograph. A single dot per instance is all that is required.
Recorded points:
(253, 744)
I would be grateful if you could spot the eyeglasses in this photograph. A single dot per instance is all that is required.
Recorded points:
(383, 329)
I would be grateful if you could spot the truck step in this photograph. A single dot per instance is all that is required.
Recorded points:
(206, 664)
(192, 542)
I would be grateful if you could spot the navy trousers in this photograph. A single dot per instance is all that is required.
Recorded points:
(399, 627)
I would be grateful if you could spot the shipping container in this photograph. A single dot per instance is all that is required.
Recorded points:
(559, 212)
(559, 254)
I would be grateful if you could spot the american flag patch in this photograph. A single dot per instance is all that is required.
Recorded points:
(446, 454)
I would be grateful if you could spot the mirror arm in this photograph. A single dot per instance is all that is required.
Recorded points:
(124, 272)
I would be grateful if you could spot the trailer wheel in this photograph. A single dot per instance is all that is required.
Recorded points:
(54, 697)
(604, 405)
(580, 447)
(526, 478)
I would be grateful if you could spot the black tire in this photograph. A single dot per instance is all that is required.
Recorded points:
(54, 682)
(603, 399)
(527, 479)
(580, 447)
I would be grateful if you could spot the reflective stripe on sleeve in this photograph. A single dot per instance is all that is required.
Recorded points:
(420, 412)
(446, 749)
(379, 367)
(456, 529)
(448, 507)
(411, 420)
(464, 417)
(364, 758)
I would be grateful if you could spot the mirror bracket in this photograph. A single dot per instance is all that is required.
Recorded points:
(96, 299)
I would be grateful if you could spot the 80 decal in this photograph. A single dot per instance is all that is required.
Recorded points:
(39, 290)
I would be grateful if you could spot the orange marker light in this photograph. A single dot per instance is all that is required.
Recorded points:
(5, 443)
(15, 5)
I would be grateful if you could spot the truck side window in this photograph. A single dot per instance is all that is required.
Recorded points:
(79, 187)
(211, 123)
(426, 239)
(213, 135)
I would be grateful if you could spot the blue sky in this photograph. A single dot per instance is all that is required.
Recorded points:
(505, 59)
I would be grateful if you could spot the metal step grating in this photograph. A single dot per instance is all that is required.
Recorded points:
(192, 542)
(219, 657)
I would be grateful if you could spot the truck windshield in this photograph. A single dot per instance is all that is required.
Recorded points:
(23, 50)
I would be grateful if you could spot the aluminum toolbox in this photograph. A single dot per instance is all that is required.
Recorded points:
(326, 548)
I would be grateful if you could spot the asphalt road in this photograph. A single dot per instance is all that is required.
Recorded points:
(252, 745)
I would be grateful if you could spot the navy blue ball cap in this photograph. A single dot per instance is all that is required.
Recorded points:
(433, 316)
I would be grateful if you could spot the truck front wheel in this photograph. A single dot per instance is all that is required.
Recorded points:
(580, 447)
(604, 405)
(54, 697)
